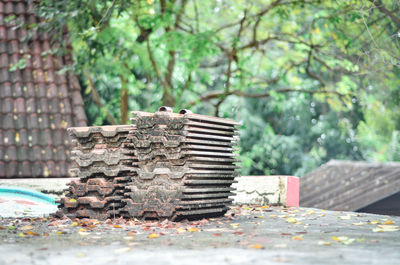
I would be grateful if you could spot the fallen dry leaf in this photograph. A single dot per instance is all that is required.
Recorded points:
(153, 235)
(193, 229)
(83, 233)
(389, 222)
(132, 233)
(122, 250)
(32, 233)
(72, 200)
(217, 234)
(235, 225)
(117, 226)
(256, 246)
(181, 230)
(297, 238)
(386, 228)
(291, 220)
(344, 240)
(26, 227)
(375, 222)
(345, 217)
(324, 243)
(358, 224)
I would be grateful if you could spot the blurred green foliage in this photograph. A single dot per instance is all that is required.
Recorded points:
(311, 80)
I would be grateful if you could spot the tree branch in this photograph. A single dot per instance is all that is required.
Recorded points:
(311, 74)
(239, 93)
(97, 100)
(259, 14)
(383, 9)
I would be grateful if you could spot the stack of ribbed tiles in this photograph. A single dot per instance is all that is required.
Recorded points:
(103, 165)
(164, 165)
(186, 165)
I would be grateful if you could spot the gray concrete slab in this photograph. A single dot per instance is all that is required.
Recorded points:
(247, 235)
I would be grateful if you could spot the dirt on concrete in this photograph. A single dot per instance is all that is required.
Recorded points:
(247, 234)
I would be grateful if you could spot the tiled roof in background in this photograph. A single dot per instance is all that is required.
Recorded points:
(36, 103)
(349, 185)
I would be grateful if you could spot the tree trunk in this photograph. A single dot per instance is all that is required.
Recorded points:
(168, 99)
(124, 101)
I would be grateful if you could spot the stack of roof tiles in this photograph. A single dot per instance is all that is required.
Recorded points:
(36, 103)
(169, 166)
(102, 164)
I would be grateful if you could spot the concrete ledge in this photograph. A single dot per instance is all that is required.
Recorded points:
(55, 187)
(267, 190)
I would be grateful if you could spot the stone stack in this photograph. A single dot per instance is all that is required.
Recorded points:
(165, 165)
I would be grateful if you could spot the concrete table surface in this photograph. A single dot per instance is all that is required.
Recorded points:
(246, 235)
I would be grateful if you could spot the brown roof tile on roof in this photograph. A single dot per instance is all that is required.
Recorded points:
(349, 185)
(36, 103)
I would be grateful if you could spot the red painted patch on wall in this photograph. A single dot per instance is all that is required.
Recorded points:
(292, 191)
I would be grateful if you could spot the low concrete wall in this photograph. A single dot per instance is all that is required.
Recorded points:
(267, 190)
(261, 190)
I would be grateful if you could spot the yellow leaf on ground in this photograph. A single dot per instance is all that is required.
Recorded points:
(31, 233)
(83, 233)
(193, 229)
(257, 246)
(375, 222)
(26, 227)
(72, 200)
(236, 225)
(358, 224)
(324, 243)
(345, 217)
(181, 230)
(386, 228)
(122, 250)
(153, 235)
(117, 226)
(22, 234)
(297, 238)
(389, 222)
(74, 224)
(344, 240)
(291, 220)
